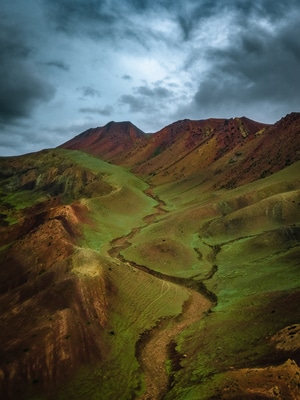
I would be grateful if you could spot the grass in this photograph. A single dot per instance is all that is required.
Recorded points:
(233, 336)
(257, 285)
(137, 302)
(257, 273)
(172, 246)
(112, 215)
(251, 233)
(256, 235)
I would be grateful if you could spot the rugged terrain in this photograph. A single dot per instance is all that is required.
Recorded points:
(162, 266)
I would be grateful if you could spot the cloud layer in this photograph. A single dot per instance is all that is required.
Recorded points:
(67, 66)
(21, 88)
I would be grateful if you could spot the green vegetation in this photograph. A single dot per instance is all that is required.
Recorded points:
(114, 214)
(257, 277)
(241, 245)
(256, 282)
(137, 302)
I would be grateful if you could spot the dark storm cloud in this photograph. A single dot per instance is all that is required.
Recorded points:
(21, 89)
(146, 98)
(98, 20)
(58, 64)
(14, 139)
(115, 21)
(135, 103)
(173, 59)
(22, 136)
(112, 21)
(89, 91)
(260, 65)
(157, 93)
(66, 15)
(105, 111)
(191, 14)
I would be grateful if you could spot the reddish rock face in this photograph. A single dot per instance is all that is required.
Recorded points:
(46, 309)
(239, 149)
(125, 144)
(108, 141)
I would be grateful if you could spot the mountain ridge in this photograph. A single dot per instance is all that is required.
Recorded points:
(119, 131)
(187, 147)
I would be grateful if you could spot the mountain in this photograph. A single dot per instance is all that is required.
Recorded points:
(108, 141)
(188, 147)
(132, 147)
(238, 149)
(170, 271)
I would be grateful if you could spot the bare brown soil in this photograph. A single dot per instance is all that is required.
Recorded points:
(274, 382)
(154, 349)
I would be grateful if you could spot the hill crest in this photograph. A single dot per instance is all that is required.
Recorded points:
(239, 149)
(106, 141)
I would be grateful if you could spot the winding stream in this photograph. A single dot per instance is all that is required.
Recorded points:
(157, 345)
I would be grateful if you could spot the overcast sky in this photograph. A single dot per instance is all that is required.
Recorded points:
(68, 65)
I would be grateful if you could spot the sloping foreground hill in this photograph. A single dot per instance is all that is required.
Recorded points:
(71, 314)
(185, 289)
(249, 345)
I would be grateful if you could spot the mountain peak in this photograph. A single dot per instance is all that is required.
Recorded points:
(107, 141)
(123, 128)
(288, 119)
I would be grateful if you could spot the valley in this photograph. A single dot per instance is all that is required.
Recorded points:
(160, 266)
(154, 349)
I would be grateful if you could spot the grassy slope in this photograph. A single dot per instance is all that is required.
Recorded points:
(252, 234)
(130, 301)
(257, 282)
(114, 214)
(137, 300)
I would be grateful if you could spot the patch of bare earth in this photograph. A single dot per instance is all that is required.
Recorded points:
(274, 382)
(154, 348)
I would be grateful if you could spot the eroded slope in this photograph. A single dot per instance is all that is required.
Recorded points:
(71, 315)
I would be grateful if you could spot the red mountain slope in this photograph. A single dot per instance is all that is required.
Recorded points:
(239, 150)
(108, 141)
(197, 145)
